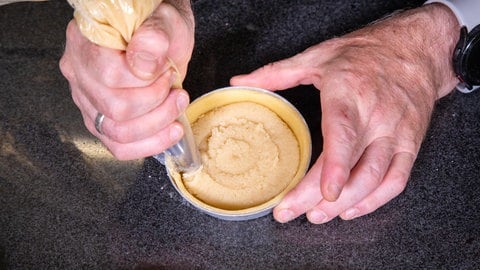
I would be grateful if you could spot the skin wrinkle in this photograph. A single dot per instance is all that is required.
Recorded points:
(107, 74)
(346, 115)
(383, 155)
(151, 102)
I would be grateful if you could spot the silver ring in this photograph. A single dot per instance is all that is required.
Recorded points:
(98, 122)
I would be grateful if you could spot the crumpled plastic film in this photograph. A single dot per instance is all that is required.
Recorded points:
(111, 23)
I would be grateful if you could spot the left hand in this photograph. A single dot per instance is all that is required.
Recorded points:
(378, 87)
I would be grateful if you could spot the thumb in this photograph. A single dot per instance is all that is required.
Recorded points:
(146, 52)
(279, 75)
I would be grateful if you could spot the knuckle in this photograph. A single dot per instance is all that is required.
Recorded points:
(65, 67)
(366, 207)
(358, 81)
(70, 31)
(348, 134)
(75, 98)
(109, 74)
(411, 140)
(376, 174)
(400, 185)
(117, 109)
(349, 76)
(118, 133)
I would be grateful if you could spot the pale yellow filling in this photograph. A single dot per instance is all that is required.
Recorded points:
(249, 156)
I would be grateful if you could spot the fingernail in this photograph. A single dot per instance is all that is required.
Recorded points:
(317, 217)
(351, 213)
(182, 102)
(145, 63)
(285, 215)
(334, 191)
(176, 133)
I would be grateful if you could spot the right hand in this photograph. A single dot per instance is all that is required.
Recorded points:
(132, 88)
(376, 101)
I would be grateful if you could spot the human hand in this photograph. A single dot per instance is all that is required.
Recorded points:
(378, 87)
(132, 88)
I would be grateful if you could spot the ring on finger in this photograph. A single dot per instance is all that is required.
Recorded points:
(98, 122)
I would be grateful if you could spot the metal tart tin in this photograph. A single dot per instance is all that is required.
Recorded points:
(284, 109)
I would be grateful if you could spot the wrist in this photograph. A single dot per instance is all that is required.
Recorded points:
(418, 45)
(443, 29)
(466, 54)
(426, 38)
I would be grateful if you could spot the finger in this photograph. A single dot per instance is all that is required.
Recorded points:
(88, 111)
(393, 184)
(283, 74)
(303, 197)
(153, 145)
(122, 104)
(364, 179)
(138, 128)
(343, 143)
(152, 122)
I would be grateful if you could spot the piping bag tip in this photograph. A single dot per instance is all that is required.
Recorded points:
(184, 155)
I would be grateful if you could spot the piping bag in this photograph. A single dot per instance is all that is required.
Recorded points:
(111, 23)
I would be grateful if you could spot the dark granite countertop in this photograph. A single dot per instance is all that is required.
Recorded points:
(66, 204)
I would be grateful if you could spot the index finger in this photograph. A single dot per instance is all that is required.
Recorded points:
(121, 104)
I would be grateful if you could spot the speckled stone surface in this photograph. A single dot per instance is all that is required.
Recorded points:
(66, 204)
